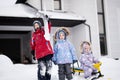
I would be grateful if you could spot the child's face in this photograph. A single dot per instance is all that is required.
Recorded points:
(86, 48)
(36, 25)
(62, 36)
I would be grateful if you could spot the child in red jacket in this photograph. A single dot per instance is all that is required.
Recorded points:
(42, 50)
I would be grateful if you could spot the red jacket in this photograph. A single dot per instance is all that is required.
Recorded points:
(41, 46)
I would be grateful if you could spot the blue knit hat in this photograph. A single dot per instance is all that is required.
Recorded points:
(61, 32)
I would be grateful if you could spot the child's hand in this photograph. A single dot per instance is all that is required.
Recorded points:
(55, 62)
(74, 61)
(33, 54)
(47, 18)
(34, 57)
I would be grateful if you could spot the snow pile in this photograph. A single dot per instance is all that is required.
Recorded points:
(10, 71)
(5, 61)
(110, 68)
(6, 65)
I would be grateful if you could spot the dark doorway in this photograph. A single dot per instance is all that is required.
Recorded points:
(15, 45)
(11, 48)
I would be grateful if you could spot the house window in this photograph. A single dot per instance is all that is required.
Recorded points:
(57, 4)
(101, 23)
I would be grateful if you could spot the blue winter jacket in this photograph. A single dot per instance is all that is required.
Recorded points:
(64, 52)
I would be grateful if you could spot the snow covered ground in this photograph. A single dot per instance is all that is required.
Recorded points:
(9, 71)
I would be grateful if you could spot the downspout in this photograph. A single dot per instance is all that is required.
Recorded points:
(89, 31)
(41, 5)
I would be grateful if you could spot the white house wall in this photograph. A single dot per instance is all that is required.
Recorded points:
(79, 34)
(35, 3)
(112, 18)
(88, 10)
(66, 5)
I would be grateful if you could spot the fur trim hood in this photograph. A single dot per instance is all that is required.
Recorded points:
(61, 29)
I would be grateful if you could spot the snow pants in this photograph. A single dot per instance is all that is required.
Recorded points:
(88, 71)
(44, 69)
(64, 71)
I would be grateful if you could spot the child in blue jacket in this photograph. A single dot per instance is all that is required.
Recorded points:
(64, 54)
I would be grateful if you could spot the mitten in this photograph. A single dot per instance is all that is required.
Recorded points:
(33, 54)
(74, 61)
(55, 62)
(46, 16)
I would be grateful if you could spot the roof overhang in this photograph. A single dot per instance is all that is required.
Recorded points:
(21, 14)
(24, 21)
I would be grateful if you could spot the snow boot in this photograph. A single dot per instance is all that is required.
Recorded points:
(42, 78)
(47, 76)
(100, 75)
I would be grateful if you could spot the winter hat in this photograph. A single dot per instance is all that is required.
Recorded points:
(83, 44)
(38, 22)
(63, 30)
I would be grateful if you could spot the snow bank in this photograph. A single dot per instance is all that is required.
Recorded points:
(110, 68)
(5, 61)
(5, 64)
(9, 71)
